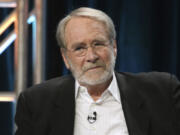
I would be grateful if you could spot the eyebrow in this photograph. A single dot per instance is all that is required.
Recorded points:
(100, 38)
(77, 44)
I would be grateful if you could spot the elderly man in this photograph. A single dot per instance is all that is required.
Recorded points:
(96, 100)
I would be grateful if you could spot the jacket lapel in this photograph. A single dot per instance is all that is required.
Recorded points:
(133, 106)
(63, 111)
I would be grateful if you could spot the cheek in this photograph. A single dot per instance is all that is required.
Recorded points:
(106, 56)
(76, 62)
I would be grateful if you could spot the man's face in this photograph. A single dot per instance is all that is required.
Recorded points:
(89, 55)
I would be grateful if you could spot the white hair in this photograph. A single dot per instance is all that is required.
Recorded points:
(95, 14)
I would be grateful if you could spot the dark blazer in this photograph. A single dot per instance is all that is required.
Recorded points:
(151, 104)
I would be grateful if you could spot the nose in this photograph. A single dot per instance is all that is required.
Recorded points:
(91, 55)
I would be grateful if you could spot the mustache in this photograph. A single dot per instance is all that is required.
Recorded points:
(93, 65)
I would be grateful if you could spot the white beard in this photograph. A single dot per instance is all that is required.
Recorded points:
(105, 76)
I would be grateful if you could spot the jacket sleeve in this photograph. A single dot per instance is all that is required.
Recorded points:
(176, 102)
(23, 117)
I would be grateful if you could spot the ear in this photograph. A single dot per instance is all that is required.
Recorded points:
(115, 48)
(64, 56)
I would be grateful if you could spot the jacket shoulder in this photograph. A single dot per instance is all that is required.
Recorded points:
(149, 81)
(43, 94)
(49, 85)
(147, 76)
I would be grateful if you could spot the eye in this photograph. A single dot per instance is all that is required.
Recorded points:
(79, 48)
(99, 44)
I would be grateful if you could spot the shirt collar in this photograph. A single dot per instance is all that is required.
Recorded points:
(113, 88)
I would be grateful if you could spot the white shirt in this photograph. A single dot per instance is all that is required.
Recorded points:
(110, 118)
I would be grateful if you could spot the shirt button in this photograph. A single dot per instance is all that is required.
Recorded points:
(93, 128)
(93, 106)
(83, 90)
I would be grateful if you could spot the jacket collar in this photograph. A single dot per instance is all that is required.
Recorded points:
(133, 105)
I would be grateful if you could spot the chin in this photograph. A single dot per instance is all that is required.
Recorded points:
(95, 79)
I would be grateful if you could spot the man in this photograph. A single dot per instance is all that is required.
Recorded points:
(96, 99)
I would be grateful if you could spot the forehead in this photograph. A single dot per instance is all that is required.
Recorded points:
(83, 21)
(83, 28)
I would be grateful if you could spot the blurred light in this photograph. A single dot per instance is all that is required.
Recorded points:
(8, 21)
(7, 97)
(7, 42)
(31, 19)
(8, 4)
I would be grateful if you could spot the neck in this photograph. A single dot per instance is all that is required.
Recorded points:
(95, 91)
